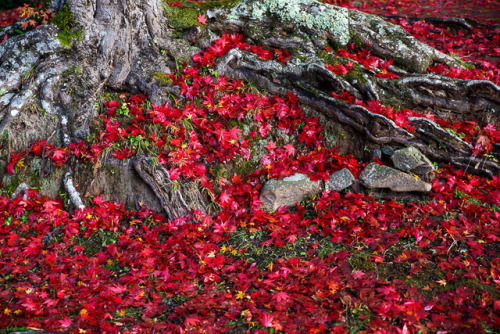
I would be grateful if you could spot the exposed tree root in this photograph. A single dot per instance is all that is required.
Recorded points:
(457, 100)
(177, 199)
(312, 86)
(464, 23)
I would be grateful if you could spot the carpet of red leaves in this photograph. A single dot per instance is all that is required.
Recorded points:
(340, 262)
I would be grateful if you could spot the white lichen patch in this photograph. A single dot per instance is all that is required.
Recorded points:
(295, 177)
(307, 13)
(5, 100)
(14, 112)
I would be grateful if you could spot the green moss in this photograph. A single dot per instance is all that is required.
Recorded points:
(14, 329)
(248, 246)
(237, 166)
(110, 96)
(356, 39)
(48, 185)
(328, 57)
(256, 30)
(63, 20)
(75, 70)
(425, 280)
(362, 261)
(64, 17)
(28, 174)
(10, 184)
(335, 45)
(162, 78)
(429, 277)
(96, 242)
(183, 17)
(326, 246)
(303, 59)
(210, 5)
(462, 62)
(357, 73)
(66, 37)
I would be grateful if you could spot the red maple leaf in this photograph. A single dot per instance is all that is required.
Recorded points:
(117, 289)
(202, 19)
(236, 178)
(30, 305)
(193, 320)
(224, 199)
(281, 297)
(483, 144)
(496, 305)
(124, 153)
(338, 69)
(65, 323)
(59, 156)
(14, 158)
(290, 149)
(266, 320)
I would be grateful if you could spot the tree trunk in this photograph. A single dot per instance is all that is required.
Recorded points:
(123, 43)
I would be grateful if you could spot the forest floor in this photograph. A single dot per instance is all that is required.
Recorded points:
(339, 262)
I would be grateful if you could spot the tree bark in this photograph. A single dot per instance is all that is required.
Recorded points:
(124, 42)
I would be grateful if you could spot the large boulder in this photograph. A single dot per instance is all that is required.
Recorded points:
(340, 180)
(379, 177)
(288, 191)
(410, 159)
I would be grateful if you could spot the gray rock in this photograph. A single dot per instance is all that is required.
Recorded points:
(387, 152)
(376, 154)
(410, 159)
(340, 180)
(288, 191)
(378, 177)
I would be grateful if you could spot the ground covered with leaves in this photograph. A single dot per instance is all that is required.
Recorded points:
(339, 262)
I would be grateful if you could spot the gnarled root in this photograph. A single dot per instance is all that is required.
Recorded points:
(312, 87)
(177, 199)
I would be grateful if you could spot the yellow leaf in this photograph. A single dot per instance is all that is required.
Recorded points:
(240, 295)
(442, 282)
